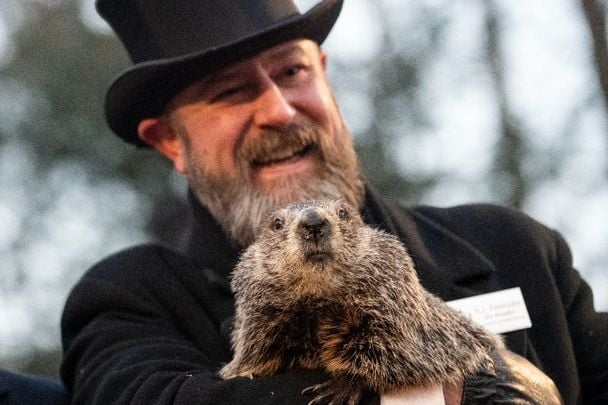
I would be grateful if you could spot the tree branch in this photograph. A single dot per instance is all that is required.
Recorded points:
(595, 15)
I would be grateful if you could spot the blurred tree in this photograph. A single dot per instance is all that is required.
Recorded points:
(68, 67)
(511, 182)
(594, 12)
(595, 16)
(43, 362)
(393, 82)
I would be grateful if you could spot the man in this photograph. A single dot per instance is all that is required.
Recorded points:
(235, 94)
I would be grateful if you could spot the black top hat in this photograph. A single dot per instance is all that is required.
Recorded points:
(172, 43)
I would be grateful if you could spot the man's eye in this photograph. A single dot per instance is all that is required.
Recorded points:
(293, 70)
(231, 92)
(227, 93)
(292, 75)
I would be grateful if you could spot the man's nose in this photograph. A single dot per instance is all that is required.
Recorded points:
(273, 108)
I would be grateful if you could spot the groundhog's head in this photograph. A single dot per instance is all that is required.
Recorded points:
(307, 244)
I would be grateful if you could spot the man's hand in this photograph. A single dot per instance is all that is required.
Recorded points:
(509, 379)
(452, 394)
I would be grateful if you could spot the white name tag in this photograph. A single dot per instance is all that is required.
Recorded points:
(499, 312)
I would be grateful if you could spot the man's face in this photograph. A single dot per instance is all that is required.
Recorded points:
(260, 134)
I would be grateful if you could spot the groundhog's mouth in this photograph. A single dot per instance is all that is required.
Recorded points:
(317, 257)
(283, 156)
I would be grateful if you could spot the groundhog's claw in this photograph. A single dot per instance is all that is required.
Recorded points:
(339, 391)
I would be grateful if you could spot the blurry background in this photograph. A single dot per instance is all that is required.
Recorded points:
(451, 101)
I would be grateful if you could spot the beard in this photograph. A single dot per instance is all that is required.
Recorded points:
(241, 205)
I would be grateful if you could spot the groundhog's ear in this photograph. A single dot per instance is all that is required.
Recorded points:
(159, 134)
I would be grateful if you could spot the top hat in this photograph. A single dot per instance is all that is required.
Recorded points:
(173, 43)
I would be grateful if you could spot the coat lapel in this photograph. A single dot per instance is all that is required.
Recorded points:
(448, 265)
(209, 246)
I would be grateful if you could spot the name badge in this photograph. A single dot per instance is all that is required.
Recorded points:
(499, 312)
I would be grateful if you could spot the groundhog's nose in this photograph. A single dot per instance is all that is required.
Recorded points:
(313, 226)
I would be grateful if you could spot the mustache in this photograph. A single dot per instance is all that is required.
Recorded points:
(275, 145)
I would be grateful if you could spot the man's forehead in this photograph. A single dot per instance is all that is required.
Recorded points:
(276, 53)
(301, 47)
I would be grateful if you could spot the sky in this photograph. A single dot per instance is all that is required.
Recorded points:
(548, 75)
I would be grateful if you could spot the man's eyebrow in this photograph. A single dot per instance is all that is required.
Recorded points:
(221, 76)
(284, 52)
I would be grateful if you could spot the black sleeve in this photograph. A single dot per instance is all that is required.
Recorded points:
(588, 328)
(134, 333)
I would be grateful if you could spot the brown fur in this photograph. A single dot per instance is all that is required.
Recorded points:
(320, 289)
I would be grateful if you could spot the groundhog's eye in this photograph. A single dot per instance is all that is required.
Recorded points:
(342, 214)
(277, 224)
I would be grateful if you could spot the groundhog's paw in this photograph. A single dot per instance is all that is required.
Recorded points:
(227, 376)
(337, 391)
(232, 370)
(227, 372)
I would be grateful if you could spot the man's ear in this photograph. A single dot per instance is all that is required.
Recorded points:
(323, 58)
(159, 134)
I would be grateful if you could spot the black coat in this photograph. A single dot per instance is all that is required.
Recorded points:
(151, 326)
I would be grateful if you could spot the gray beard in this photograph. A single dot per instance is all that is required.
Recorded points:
(240, 206)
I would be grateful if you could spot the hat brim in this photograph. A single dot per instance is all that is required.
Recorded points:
(144, 90)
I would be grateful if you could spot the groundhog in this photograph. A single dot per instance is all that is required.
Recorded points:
(319, 289)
